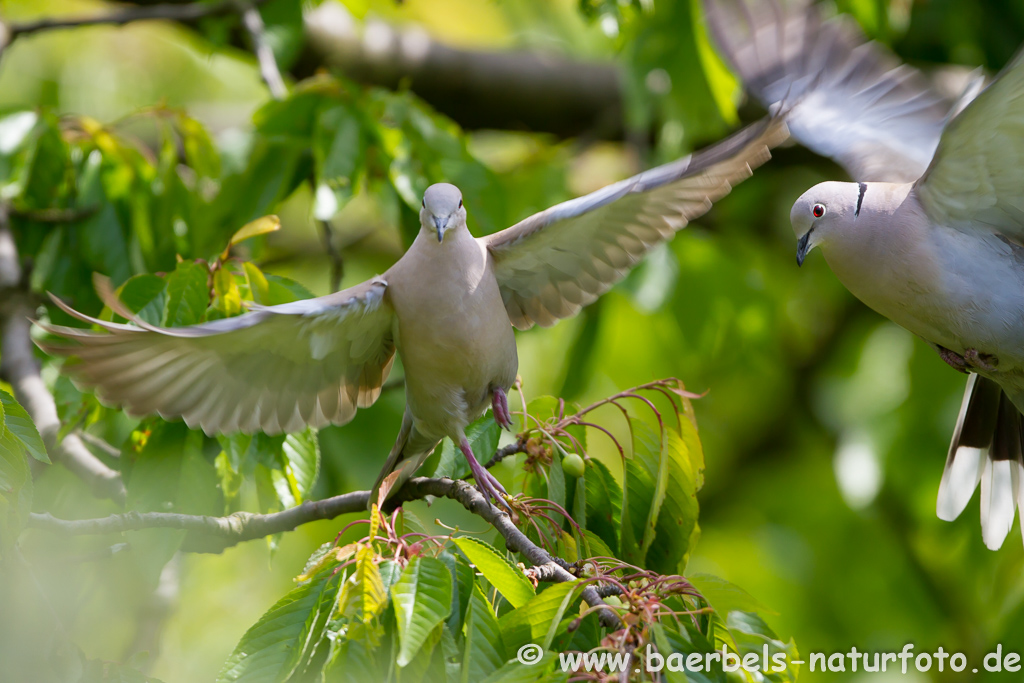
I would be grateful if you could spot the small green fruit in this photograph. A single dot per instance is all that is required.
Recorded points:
(572, 465)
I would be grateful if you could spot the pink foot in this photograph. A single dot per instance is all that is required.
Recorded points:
(490, 486)
(953, 359)
(982, 361)
(499, 404)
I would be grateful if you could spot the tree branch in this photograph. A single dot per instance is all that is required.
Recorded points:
(19, 367)
(180, 12)
(514, 90)
(214, 534)
(253, 23)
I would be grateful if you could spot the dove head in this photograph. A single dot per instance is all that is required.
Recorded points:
(442, 210)
(822, 213)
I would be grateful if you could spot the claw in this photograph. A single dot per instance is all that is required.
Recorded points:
(982, 361)
(499, 404)
(953, 359)
(489, 486)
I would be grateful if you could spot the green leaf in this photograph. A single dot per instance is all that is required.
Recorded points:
(639, 491)
(545, 670)
(484, 651)
(145, 296)
(363, 598)
(676, 527)
(538, 621)
(507, 579)
(482, 435)
(187, 294)
(281, 290)
(15, 490)
(18, 422)
(725, 597)
(604, 503)
(301, 452)
(422, 599)
(272, 649)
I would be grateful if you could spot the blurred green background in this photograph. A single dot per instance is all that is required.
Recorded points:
(825, 427)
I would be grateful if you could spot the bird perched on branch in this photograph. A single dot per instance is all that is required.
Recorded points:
(932, 235)
(447, 306)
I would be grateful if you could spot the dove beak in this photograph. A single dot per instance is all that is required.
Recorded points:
(802, 247)
(440, 224)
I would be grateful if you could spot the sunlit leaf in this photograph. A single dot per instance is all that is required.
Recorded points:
(187, 295)
(17, 421)
(422, 599)
(508, 580)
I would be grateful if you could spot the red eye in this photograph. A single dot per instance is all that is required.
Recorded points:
(818, 210)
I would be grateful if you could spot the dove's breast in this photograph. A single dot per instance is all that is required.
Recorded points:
(452, 332)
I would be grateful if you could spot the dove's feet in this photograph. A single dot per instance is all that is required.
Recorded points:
(971, 360)
(490, 486)
(499, 404)
(953, 359)
(981, 361)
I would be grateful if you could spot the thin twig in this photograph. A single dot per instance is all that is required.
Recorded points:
(504, 452)
(271, 74)
(337, 263)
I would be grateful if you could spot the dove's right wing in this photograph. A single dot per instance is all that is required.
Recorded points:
(977, 176)
(273, 370)
(845, 98)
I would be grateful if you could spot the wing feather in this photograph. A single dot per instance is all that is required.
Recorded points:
(977, 175)
(274, 370)
(845, 98)
(555, 262)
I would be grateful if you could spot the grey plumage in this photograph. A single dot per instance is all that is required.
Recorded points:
(931, 237)
(447, 307)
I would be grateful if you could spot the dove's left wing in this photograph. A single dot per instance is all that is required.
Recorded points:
(553, 263)
(274, 370)
(977, 175)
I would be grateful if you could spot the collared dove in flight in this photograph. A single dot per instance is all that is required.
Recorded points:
(448, 307)
(932, 235)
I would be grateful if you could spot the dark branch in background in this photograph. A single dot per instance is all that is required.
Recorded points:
(182, 12)
(19, 367)
(515, 90)
(214, 534)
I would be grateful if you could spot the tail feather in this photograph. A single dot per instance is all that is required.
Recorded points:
(410, 450)
(986, 449)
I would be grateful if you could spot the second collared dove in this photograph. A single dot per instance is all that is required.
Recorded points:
(933, 235)
(447, 306)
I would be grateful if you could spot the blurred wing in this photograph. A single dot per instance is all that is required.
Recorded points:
(273, 370)
(977, 175)
(844, 97)
(555, 262)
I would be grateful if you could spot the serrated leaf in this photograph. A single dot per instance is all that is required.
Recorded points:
(15, 490)
(676, 527)
(282, 290)
(508, 580)
(187, 295)
(484, 651)
(482, 434)
(301, 451)
(639, 491)
(363, 598)
(145, 296)
(227, 297)
(18, 422)
(422, 598)
(604, 503)
(272, 648)
(538, 621)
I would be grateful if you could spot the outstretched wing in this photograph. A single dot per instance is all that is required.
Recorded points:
(845, 98)
(555, 262)
(977, 176)
(273, 370)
